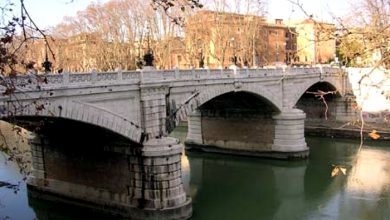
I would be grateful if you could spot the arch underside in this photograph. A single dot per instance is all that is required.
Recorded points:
(238, 121)
(83, 113)
(312, 86)
(259, 91)
(319, 102)
(71, 132)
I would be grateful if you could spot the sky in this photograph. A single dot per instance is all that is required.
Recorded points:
(321, 9)
(50, 12)
(46, 13)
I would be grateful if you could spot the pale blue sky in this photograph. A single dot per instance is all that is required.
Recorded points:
(321, 9)
(50, 12)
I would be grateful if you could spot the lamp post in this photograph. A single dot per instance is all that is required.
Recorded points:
(234, 58)
(148, 57)
(201, 59)
(46, 64)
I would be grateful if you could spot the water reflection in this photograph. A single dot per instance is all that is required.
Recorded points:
(368, 186)
(232, 187)
(186, 174)
(363, 193)
(13, 205)
(46, 210)
(370, 176)
(228, 187)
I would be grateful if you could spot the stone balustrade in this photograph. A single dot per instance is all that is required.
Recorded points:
(30, 82)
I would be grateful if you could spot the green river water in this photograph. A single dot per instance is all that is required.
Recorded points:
(239, 188)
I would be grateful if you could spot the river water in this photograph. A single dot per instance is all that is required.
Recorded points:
(233, 187)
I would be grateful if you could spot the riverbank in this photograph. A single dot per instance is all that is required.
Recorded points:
(350, 130)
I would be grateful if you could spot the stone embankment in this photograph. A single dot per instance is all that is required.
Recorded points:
(351, 130)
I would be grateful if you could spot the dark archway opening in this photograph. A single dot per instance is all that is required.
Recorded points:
(79, 153)
(238, 121)
(319, 102)
(72, 134)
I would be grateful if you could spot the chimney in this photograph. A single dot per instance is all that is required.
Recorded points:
(279, 21)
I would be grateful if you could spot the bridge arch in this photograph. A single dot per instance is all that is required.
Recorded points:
(317, 107)
(80, 112)
(229, 119)
(301, 90)
(210, 94)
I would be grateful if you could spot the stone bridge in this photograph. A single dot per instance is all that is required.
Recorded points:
(96, 130)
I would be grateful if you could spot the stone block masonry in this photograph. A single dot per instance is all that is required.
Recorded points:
(156, 178)
(140, 183)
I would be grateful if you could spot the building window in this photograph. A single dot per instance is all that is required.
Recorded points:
(178, 58)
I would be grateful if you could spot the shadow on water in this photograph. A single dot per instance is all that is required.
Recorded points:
(46, 210)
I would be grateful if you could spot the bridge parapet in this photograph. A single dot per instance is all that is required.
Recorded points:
(49, 81)
(195, 74)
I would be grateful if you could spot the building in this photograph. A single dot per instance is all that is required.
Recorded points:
(219, 39)
(316, 42)
(280, 43)
(75, 54)
(170, 53)
(212, 39)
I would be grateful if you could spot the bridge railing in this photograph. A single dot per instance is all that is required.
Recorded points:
(48, 81)
(31, 82)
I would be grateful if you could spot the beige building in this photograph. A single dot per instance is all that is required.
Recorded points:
(316, 41)
(171, 53)
(215, 38)
(220, 39)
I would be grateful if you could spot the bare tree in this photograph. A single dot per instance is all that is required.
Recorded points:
(225, 34)
(173, 5)
(366, 31)
(117, 34)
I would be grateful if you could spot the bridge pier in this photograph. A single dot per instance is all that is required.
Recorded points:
(156, 180)
(194, 135)
(290, 134)
(345, 111)
(136, 182)
(285, 132)
(38, 173)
